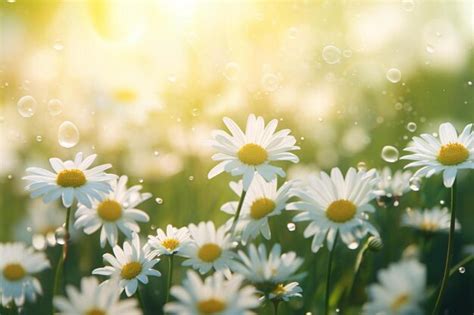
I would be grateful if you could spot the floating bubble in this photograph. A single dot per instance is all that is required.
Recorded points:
(389, 154)
(462, 270)
(231, 71)
(414, 183)
(159, 201)
(27, 106)
(411, 126)
(394, 75)
(291, 227)
(331, 54)
(68, 135)
(408, 5)
(270, 82)
(55, 107)
(60, 235)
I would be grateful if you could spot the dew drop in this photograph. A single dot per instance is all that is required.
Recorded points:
(353, 245)
(331, 54)
(394, 75)
(469, 83)
(270, 82)
(159, 201)
(68, 135)
(191, 178)
(441, 202)
(60, 235)
(462, 270)
(55, 107)
(39, 139)
(231, 71)
(141, 180)
(411, 126)
(414, 183)
(291, 227)
(389, 154)
(27, 106)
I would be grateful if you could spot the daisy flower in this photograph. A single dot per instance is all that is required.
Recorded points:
(286, 292)
(400, 290)
(95, 299)
(429, 220)
(448, 154)
(117, 211)
(214, 295)
(393, 185)
(261, 202)
(18, 263)
(334, 204)
(130, 264)
(253, 151)
(209, 248)
(170, 242)
(70, 180)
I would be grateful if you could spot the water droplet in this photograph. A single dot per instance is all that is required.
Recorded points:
(389, 154)
(27, 106)
(68, 135)
(60, 235)
(353, 245)
(414, 183)
(430, 49)
(396, 203)
(270, 82)
(231, 71)
(394, 75)
(39, 242)
(408, 5)
(469, 83)
(153, 227)
(462, 270)
(39, 138)
(156, 153)
(10, 176)
(55, 107)
(331, 54)
(337, 310)
(159, 201)
(411, 126)
(441, 202)
(191, 178)
(361, 166)
(291, 227)
(302, 138)
(141, 180)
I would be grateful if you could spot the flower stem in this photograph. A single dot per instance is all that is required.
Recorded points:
(357, 265)
(449, 253)
(328, 277)
(237, 213)
(275, 306)
(170, 277)
(140, 300)
(62, 258)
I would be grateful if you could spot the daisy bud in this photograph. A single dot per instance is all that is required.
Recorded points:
(375, 243)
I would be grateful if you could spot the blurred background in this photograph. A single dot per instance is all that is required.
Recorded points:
(143, 84)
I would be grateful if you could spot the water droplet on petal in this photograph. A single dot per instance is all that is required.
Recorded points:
(55, 107)
(291, 227)
(68, 135)
(394, 75)
(411, 126)
(331, 54)
(27, 106)
(389, 154)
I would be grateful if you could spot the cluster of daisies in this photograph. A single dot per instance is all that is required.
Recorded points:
(227, 272)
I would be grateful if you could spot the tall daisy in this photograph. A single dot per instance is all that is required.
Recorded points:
(70, 180)
(448, 154)
(400, 290)
(171, 241)
(253, 151)
(214, 295)
(18, 264)
(95, 299)
(209, 248)
(117, 211)
(262, 201)
(335, 204)
(429, 220)
(130, 264)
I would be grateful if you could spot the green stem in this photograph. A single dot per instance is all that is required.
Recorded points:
(140, 300)
(328, 277)
(449, 253)
(62, 258)
(276, 303)
(237, 213)
(170, 277)
(357, 265)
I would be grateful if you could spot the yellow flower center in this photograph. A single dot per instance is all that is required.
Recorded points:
(209, 252)
(109, 210)
(279, 289)
(125, 95)
(261, 207)
(452, 154)
(252, 154)
(14, 272)
(95, 311)
(71, 178)
(170, 243)
(341, 211)
(211, 306)
(399, 302)
(428, 226)
(131, 270)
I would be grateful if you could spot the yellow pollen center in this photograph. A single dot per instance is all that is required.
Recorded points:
(95, 311)
(209, 252)
(429, 226)
(131, 270)
(399, 302)
(109, 210)
(14, 272)
(452, 154)
(211, 306)
(125, 95)
(170, 243)
(261, 207)
(279, 289)
(71, 178)
(252, 154)
(341, 211)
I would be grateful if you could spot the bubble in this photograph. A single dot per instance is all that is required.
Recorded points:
(462, 270)
(39, 242)
(60, 235)
(27, 106)
(191, 178)
(231, 71)
(68, 135)
(55, 107)
(270, 82)
(291, 227)
(353, 245)
(408, 5)
(39, 139)
(414, 183)
(361, 166)
(389, 154)
(394, 75)
(331, 54)
(411, 126)
(159, 201)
